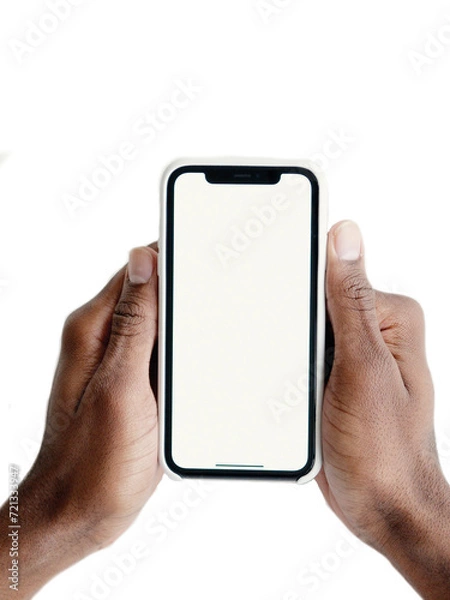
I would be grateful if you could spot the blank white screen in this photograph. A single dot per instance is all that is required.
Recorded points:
(241, 290)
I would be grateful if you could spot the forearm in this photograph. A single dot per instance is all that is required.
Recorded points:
(38, 545)
(417, 538)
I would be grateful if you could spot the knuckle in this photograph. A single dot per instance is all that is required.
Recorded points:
(412, 310)
(409, 315)
(358, 292)
(74, 329)
(128, 318)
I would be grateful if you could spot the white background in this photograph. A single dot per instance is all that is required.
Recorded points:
(287, 87)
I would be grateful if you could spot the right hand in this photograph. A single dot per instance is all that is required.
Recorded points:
(381, 472)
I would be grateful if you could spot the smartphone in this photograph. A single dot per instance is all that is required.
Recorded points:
(241, 318)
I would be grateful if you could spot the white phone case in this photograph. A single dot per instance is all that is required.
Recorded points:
(320, 345)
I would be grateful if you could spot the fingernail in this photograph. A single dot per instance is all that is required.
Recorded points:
(347, 241)
(140, 266)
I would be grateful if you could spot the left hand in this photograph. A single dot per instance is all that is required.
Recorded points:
(98, 462)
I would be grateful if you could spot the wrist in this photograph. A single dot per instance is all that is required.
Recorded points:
(414, 532)
(423, 503)
(49, 539)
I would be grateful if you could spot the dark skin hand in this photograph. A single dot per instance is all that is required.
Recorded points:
(98, 462)
(381, 472)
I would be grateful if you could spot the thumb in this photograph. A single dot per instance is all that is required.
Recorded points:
(134, 322)
(350, 297)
